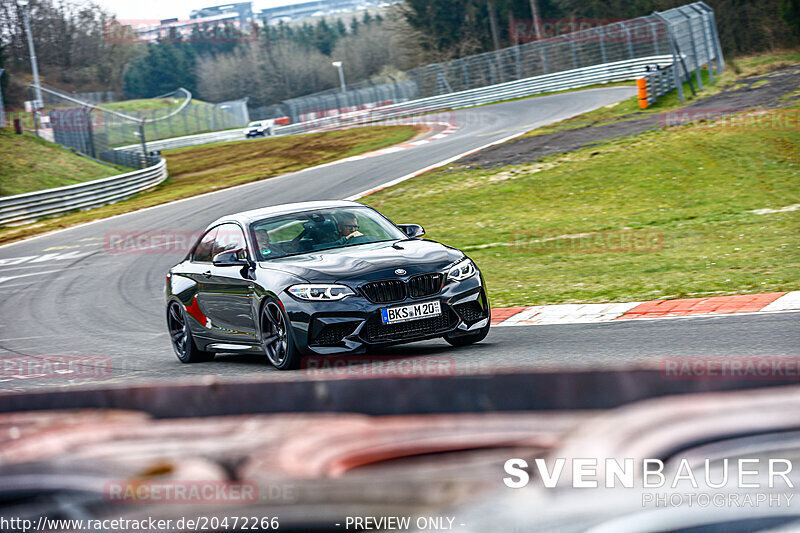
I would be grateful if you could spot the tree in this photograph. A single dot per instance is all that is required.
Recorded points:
(324, 37)
(341, 28)
(790, 11)
(166, 66)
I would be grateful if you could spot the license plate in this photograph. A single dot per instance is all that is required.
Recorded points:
(407, 313)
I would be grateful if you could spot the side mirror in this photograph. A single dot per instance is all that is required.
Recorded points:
(412, 230)
(230, 259)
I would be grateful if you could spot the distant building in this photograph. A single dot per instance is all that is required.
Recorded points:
(205, 24)
(317, 8)
(241, 10)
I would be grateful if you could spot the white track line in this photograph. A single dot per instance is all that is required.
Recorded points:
(434, 166)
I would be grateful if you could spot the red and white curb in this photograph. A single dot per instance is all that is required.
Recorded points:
(442, 129)
(591, 313)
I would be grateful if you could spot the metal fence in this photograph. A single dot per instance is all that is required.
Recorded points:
(96, 130)
(98, 97)
(364, 95)
(688, 34)
(29, 207)
(694, 43)
(161, 123)
(572, 79)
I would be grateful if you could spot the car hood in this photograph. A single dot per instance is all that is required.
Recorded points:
(368, 261)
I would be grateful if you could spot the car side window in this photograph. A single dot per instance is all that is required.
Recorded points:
(202, 253)
(230, 237)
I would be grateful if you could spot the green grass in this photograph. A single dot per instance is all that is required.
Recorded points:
(211, 167)
(692, 187)
(32, 164)
(753, 65)
(737, 69)
(146, 104)
(112, 131)
(629, 109)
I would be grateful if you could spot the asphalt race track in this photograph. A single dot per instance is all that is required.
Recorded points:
(63, 294)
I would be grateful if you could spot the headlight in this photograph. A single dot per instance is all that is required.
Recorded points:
(462, 270)
(320, 293)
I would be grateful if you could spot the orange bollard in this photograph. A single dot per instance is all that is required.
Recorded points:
(641, 83)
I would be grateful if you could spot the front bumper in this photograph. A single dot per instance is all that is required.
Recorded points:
(354, 324)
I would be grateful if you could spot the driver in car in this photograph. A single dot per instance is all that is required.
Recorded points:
(264, 244)
(347, 224)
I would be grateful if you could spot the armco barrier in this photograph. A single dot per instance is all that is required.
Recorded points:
(571, 79)
(655, 84)
(28, 207)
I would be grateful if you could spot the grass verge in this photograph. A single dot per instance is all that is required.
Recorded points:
(555, 231)
(742, 67)
(32, 164)
(217, 166)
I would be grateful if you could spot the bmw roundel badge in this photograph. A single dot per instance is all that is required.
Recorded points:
(400, 272)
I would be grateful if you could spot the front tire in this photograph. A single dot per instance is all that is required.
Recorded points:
(276, 337)
(181, 337)
(466, 340)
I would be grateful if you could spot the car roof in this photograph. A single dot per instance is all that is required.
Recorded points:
(246, 217)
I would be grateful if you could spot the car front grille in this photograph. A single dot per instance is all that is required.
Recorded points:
(395, 290)
(470, 312)
(333, 334)
(378, 332)
(425, 285)
(384, 292)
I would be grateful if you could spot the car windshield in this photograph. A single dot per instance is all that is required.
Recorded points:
(324, 229)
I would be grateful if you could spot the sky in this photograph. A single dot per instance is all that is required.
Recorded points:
(164, 9)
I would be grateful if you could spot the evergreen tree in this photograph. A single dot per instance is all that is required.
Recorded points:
(341, 28)
(166, 66)
(790, 11)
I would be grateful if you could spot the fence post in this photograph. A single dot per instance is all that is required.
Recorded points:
(676, 61)
(602, 45)
(574, 54)
(694, 50)
(713, 23)
(465, 72)
(492, 75)
(543, 49)
(90, 132)
(706, 40)
(654, 31)
(3, 123)
(628, 39)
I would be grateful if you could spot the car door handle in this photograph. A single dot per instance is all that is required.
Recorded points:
(207, 274)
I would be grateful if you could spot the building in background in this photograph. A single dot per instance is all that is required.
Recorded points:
(202, 22)
(241, 10)
(318, 8)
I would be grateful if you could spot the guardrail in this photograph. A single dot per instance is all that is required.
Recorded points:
(570, 79)
(188, 140)
(29, 207)
(656, 84)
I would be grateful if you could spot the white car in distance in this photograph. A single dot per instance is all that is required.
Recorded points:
(259, 128)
